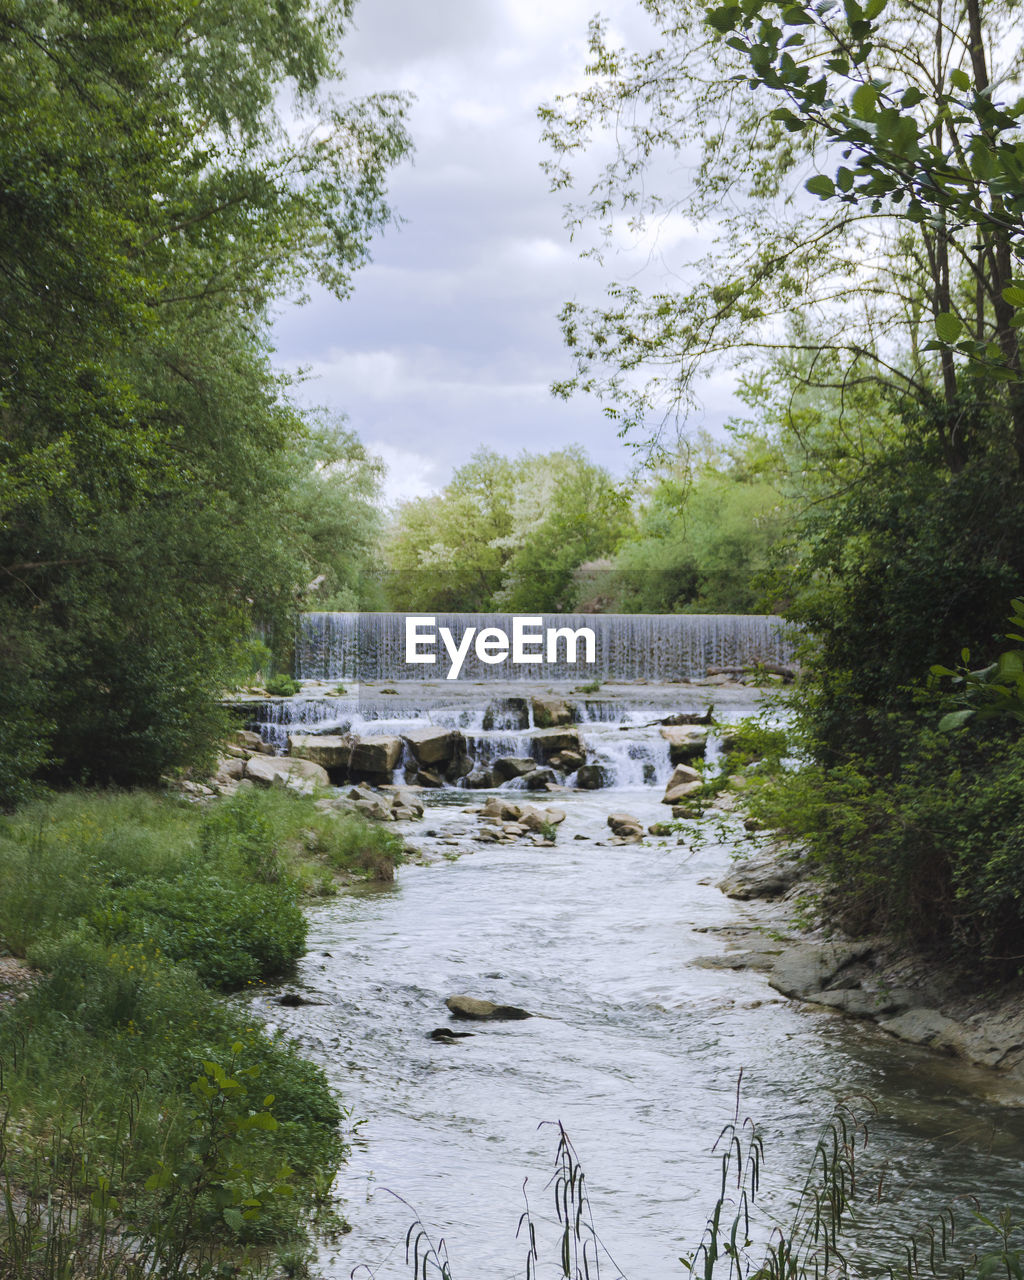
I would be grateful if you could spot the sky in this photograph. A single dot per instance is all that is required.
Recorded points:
(451, 339)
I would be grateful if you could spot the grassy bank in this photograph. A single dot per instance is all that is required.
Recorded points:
(149, 1125)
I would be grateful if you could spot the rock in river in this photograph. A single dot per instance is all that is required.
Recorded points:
(469, 1007)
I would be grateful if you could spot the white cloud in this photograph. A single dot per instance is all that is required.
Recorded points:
(451, 340)
(410, 474)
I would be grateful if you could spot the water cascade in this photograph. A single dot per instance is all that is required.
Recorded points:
(372, 646)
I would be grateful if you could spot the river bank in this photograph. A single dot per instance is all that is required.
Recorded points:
(907, 994)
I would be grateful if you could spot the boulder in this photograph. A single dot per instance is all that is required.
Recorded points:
(230, 768)
(933, 1029)
(684, 773)
(427, 778)
(408, 800)
(685, 742)
(483, 1010)
(286, 771)
(513, 767)
(460, 765)
(377, 808)
(375, 755)
(567, 761)
(533, 819)
(540, 779)
(548, 741)
(624, 824)
(431, 745)
(927, 1027)
(673, 794)
(554, 816)
(811, 966)
(331, 750)
(768, 877)
(661, 829)
(246, 738)
(551, 711)
(477, 779)
(496, 807)
(591, 777)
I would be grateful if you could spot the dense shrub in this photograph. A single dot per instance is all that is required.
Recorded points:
(935, 853)
(231, 934)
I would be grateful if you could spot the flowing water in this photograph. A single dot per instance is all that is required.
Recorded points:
(372, 646)
(634, 1048)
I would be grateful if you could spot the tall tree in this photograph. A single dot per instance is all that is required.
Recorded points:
(167, 170)
(871, 272)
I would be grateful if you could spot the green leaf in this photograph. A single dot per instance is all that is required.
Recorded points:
(1014, 295)
(821, 185)
(948, 326)
(233, 1217)
(960, 79)
(954, 720)
(725, 18)
(864, 101)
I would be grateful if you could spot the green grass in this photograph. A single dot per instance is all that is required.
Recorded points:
(169, 1129)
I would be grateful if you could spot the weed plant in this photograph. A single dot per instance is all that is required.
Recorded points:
(740, 1242)
(147, 1126)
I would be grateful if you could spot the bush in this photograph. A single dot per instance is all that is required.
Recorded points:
(282, 686)
(935, 853)
(101, 1062)
(232, 934)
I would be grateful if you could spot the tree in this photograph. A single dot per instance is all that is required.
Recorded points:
(704, 535)
(927, 138)
(159, 192)
(505, 533)
(870, 272)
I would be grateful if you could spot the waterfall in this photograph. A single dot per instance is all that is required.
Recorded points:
(372, 646)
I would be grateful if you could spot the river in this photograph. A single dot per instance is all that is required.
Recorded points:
(634, 1048)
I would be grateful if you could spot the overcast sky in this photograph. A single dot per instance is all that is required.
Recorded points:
(451, 340)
